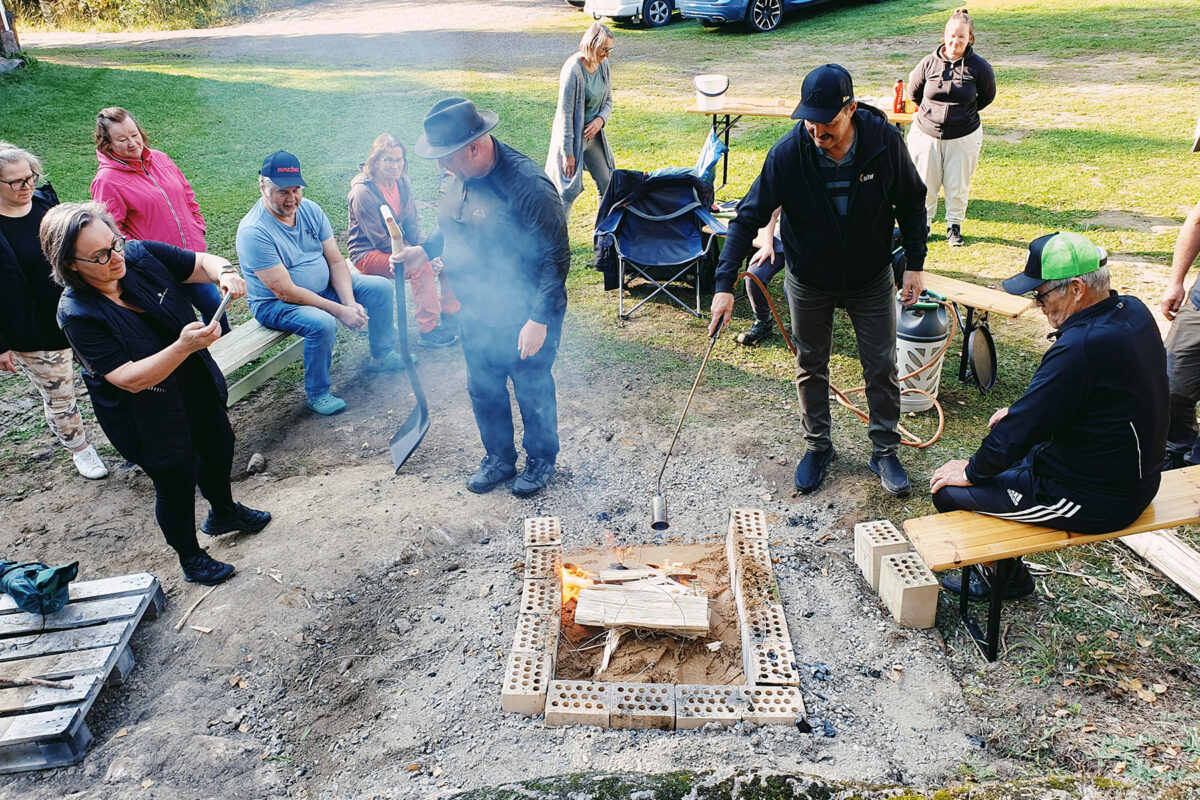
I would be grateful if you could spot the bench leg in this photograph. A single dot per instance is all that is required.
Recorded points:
(989, 645)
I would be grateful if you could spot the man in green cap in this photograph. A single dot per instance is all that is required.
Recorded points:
(1082, 449)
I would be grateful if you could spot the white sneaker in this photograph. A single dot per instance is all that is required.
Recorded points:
(88, 462)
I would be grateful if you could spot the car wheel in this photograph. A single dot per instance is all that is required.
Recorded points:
(764, 15)
(656, 13)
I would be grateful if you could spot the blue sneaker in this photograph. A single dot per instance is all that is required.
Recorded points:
(327, 405)
(245, 520)
(392, 362)
(203, 568)
(812, 469)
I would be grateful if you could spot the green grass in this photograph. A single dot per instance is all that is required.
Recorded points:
(1089, 132)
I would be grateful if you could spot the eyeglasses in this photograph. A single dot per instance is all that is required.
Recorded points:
(395, 162)
(104, 256)
(33, 180)
(605, 50)
(1040, 297)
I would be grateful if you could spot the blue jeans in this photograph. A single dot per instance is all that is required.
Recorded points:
(319, 328)
(205, 297)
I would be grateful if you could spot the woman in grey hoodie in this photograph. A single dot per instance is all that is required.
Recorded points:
(950, 86)
(577, 141)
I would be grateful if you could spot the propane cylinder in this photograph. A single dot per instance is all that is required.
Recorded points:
(921, 331)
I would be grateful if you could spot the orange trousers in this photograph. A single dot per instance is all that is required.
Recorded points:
(424, 284)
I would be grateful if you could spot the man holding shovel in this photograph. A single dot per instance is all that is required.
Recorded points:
(502, 236)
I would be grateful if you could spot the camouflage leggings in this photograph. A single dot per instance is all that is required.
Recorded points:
(52, 372)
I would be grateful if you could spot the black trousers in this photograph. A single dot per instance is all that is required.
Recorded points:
(490, 351)
(208, 468)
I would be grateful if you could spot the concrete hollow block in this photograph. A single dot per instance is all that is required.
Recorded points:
(642, 706)
(697, 706)
(771, 663)
(909, 590)
(525, 683)
(543, 563)
(873, 541)
(542, 597)
(542, 531)
(747, 523)
(536, 633)
(577, 703)
(773, 705)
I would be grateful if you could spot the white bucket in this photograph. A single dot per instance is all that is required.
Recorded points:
(710, 92)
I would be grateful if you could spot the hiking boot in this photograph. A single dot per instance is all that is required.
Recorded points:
(760, 330)
(537, 475)
(492, 471)
(89, 463)
(241, 519)
(203, 568)
(812, 469)
(891, 474)
(438, 337)
(327, 405)
(954, 236)
(1019, 585)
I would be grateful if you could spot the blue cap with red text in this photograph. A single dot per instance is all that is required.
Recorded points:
(283, 169)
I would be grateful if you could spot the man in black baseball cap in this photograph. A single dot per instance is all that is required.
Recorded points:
(1082, 449)
(502, 235)
(843, 177)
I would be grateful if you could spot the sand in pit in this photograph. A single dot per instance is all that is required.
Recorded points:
(646, 657)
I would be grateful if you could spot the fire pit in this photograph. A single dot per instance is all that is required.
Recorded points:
(669, 637)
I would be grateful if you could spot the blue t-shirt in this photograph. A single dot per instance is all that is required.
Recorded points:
(264, 242)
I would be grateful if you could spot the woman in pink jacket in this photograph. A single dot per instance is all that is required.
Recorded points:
(148, 196)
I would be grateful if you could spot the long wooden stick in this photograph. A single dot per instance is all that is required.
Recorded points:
(35, 682)
(184, 618)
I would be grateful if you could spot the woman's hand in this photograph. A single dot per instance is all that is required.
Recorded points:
(592, 128)
(196, 335)
(765, 253)
(7, 362)
(232, 282)
(568, 167)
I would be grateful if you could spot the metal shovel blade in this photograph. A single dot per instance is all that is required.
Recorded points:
(406, 440)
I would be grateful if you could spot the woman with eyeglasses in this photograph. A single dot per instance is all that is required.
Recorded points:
(383, 180)
(148, 196)
(577, 141)
(156, 391)
(950, 86)
(30, 341)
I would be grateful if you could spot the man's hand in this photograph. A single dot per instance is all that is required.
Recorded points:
(232, 282)
(196, 335)
(592, 128)
(722, 311)
(568, 167)
(1000, 414)
(353, 316)
(911, 285)
(952, 473)
(531, 339)
(1172, 299)
(765, 253)
(8, 363)
(412, 257)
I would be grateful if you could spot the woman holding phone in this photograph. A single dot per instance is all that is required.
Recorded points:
(155, 389)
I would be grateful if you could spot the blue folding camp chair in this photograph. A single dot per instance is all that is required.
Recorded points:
(652, 227)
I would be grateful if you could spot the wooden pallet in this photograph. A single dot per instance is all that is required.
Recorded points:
(87, 644)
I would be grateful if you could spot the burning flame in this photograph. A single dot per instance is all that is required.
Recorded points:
(574, 581)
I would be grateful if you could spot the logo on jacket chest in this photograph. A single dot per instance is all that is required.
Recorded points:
(866, 176)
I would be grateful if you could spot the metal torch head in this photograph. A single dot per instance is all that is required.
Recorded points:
(658, 513)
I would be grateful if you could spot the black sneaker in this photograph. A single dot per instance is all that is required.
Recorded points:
(245, 520)
(203, 568)
(812, 469)
(537, 475)
(891, 474)
(438, 337)
(491, 472)
(760, 330)
(954, 236)
(1019, 585)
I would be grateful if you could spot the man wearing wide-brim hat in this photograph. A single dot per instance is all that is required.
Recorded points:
(502, 236)
(1082, 449)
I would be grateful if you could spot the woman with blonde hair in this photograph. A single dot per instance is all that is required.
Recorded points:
(950, 86)
(383, 180)
(30, 341)
(577, 141)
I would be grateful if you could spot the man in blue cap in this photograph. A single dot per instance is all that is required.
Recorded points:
(502, 235)
(1082, 449)
(298, 281)
(843, 177)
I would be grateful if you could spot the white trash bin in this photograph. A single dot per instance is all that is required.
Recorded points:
(710, 92)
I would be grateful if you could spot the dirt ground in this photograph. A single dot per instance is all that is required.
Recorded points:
(359, 651)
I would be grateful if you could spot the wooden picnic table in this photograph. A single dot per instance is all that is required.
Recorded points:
(734, 108)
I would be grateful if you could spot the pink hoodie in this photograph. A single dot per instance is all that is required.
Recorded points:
(150, 199)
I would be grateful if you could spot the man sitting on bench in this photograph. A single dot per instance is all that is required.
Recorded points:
(1082, 449)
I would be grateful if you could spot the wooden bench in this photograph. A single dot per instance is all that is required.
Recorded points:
(963, 539)
(244, 344)
(978, 301)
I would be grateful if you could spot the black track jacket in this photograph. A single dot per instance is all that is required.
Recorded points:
(823, 251)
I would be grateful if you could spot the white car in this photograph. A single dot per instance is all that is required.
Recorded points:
(651, 13)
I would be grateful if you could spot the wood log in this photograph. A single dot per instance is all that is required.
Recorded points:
(648, 608)
(1170, 555)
